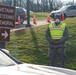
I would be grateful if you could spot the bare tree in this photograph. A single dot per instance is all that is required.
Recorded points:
(35, 5)
(43, 2)
(51, 5)
(31, 5)
(3, 1)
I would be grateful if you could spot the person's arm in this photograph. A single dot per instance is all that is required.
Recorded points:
(48, 37)
(65, 36)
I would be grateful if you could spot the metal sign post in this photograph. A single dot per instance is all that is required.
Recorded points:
(2, 45)
(28, 14)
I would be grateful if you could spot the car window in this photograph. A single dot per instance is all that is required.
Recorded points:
(63, 8)
(72, 8)
(19, 10)
(5, 61)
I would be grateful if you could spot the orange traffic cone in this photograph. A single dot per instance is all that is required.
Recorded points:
(19, 22)
(63, 17)
(34, 20)
(48, 19)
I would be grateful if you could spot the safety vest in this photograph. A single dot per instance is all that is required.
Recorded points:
(57, 32)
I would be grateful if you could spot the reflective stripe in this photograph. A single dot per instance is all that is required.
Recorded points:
(56, 36)
(56, 28)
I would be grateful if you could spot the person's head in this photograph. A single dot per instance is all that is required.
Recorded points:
(57, 19)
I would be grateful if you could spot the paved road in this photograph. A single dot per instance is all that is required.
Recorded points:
(39, 22)
(21, 26)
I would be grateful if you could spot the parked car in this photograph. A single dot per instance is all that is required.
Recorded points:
(22, 13)
(11, 66)
(68, 11)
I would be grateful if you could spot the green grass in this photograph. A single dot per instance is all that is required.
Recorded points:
(30, 45)
(71, 44)
(39, 16)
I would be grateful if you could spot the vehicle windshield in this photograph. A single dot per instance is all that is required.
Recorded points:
(5, 60)
(63, 8)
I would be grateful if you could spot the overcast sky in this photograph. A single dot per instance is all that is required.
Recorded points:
(68, 0)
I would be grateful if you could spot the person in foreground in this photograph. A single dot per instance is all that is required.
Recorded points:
(57, 34)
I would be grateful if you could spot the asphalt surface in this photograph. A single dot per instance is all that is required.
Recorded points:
(22, 26)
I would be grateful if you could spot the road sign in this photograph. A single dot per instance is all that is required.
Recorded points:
(4, 34)
(7, 16)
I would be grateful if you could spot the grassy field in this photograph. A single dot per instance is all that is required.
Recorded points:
(30, 45)
(71, 44)
(39, 15)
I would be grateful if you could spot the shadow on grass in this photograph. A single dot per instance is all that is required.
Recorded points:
(35, 52)
(34, 38)
(41, 58)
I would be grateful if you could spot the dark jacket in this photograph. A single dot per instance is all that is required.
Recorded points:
(61, 42)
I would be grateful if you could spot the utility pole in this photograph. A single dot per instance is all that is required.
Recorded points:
(73, 2)
(28, 14)
(20, 3)
(14, 2)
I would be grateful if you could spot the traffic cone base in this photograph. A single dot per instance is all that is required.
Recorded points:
(63, 17)
(19, 22)
(34, 20)
(48, 19)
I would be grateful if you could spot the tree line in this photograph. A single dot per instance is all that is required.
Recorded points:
(35, 5)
